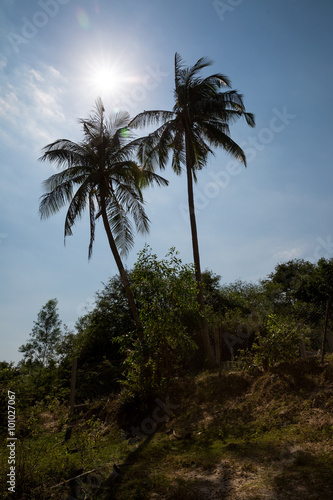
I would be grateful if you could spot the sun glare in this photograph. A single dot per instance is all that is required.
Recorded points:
(104, 76)
(104, 81)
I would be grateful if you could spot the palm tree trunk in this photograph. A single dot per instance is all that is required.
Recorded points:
(121, 270)
(194, 233)
(196, 257)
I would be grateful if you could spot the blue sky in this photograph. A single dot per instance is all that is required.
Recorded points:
(57, 57)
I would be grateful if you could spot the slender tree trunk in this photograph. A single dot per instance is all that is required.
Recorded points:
(328, 303)
(44, 352)
(73, 384)
(196, 257)
(194, 233)
(121, 270)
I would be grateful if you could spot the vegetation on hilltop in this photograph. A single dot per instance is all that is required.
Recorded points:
(238, 436)
(172, 429)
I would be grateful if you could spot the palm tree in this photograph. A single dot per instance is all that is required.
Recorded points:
(199, 120)
(100, 174)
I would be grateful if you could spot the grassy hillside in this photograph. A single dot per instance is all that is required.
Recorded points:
(238, 436)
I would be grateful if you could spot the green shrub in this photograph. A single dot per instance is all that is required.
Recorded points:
(280, 343)
(166, 292)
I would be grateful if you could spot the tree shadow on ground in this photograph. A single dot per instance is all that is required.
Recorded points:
(307, 476)
(291, 473)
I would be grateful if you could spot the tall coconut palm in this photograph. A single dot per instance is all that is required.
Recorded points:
(199, 120)
(99, 174)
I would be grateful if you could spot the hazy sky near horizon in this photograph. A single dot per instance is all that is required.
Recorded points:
(58, 56)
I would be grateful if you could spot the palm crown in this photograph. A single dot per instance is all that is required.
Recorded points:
(100, 174)
(102, 170)
(199, 120)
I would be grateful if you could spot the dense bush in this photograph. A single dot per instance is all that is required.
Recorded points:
(280, 343)
(166, 292)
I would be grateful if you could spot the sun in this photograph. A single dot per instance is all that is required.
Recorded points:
(102, 75)
(104, 81)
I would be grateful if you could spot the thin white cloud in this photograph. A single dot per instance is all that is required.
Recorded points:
(46, 104)
(37, 75)
(292, 253)
(3, 62)
(31, 106)
(9, 105)
(56, 74)
(6, 138)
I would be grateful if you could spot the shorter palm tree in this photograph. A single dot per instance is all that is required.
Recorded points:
(100, 174)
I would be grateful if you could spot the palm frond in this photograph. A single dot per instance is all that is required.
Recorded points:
(229, 146)
(99, 107)
(217, 80)
(131, 200)
(118, 122)
(179, 70)
(215, 133)
(155, 148)
(201, 63)
(227, 107)
(250, 119)
(179, 154)
(120, 226)
(74, 174)
(53, 201)
(76, 207)
(199, 150)
(188, 77)
(153, 117)
(148, 178)
(122, 147)
(215, 123)
(63, 152)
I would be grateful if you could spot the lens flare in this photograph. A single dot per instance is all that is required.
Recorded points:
(124, 132)
(83, 19)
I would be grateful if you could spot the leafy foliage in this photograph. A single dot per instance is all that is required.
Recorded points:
(270, 318)
(45, 337)
(99, 356)
(167, 295)
(280, 343)
(299, 281)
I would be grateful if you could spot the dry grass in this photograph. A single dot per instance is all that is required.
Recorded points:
(241, 436)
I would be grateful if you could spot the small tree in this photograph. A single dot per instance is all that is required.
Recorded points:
(166, 291)
(45, 336)
(99, 360)
(279, 344)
